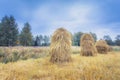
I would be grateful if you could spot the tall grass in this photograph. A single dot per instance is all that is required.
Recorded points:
(13, 54)
(116, 48)
(101, 67)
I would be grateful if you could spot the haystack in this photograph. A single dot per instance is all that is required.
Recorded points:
(60, 48)
(88, 45)
(110, 49)
(102, 46)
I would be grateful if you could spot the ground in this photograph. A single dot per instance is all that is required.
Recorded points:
(100, 67)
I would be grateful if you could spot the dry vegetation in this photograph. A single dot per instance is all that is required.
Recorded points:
(60, 48)
(101, 67)
(88, 45)
(12, 54)
(102, 47)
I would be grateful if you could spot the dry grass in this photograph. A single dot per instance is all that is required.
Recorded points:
(110, 48)
(60, 48)
(102, 46)
(87, 45)
(11, 54)
(116, 48)
(101, 67)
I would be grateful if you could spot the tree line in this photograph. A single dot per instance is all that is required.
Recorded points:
(11, 36)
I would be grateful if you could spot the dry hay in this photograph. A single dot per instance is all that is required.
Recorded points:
(87, 45)
(102, 46)
(110, 49)
(60, 48)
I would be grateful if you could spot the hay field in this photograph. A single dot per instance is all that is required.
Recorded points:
(100, 67)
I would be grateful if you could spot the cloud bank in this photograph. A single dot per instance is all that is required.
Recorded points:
(46, 17)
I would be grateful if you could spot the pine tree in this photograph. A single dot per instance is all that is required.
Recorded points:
(37, 41)
(0, 34)
(26, 35)
(46, 40)
(41, 39)
(8, 31)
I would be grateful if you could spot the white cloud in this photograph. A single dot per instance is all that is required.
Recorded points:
(86, 18)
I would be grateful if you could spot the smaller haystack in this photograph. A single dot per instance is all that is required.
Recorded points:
(60, 48)
(110, 49)
(87, 45)
(102, 46)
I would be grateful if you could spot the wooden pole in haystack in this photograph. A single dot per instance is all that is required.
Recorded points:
(60, 48)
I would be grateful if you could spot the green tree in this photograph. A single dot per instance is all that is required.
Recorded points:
(94, 36)
(1, 34)
(108, 39)
(117, 40)
(37, 41)
(8, 31)
(46, 40)
(76, 38)
(26, 35)
(41, 39)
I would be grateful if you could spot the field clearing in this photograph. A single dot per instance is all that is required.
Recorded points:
(100, 67)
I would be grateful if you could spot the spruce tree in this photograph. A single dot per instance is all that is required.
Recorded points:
(8, 31)
(26, 35)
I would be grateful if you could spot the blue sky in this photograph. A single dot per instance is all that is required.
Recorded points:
(45, 16)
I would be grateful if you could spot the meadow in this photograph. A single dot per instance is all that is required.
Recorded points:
(32, 63)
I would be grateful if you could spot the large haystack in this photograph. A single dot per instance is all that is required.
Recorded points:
(102, 46)
(88, 45)
(60, 48)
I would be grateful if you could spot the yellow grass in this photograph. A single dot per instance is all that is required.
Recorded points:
(101, 67)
